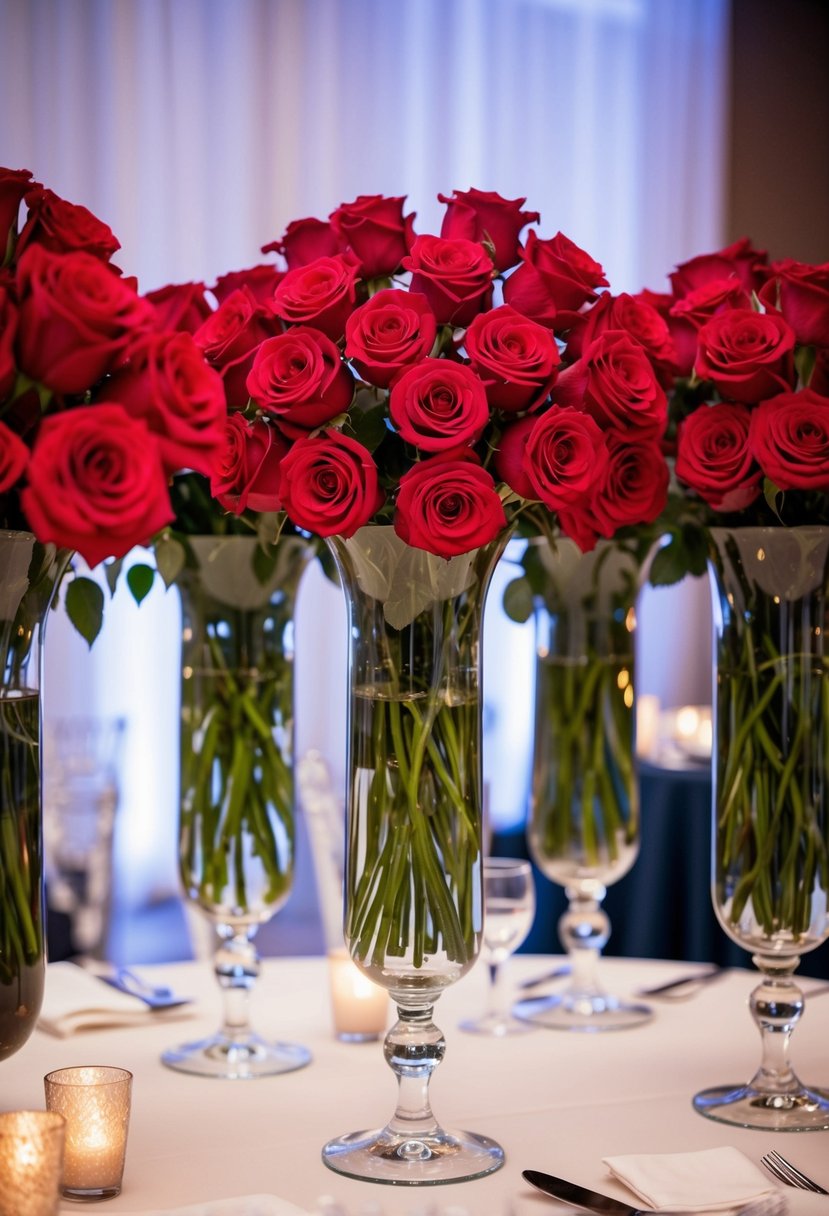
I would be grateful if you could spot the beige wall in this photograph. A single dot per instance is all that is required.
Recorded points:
(779, 162)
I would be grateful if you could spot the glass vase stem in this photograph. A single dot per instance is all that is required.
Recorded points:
(776, 1005)
(236, 964)
(413, 1049)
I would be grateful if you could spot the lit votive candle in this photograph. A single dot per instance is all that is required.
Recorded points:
(31, 1159)
(95, 1101)
(360, 1007)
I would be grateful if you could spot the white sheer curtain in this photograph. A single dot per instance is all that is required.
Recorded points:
(199, 128)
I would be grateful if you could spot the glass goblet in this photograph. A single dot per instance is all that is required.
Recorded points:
(509, 909)
(583, 830)
(236, 824)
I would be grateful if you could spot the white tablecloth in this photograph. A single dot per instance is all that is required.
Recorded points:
(556, 1101)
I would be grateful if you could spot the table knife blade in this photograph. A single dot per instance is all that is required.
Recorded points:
(578, 1196)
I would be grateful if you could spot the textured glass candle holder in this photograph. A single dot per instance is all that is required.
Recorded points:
(95, 1102)
(31, 1160)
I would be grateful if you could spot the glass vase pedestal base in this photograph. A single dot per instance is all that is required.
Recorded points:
(803, 1110)
(589, 1012)
(495, 1026)
(236, 1060)
(413, 1160)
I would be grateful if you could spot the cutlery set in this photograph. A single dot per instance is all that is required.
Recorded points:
(603, 1205)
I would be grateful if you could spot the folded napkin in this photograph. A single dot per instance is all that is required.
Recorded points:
(76, 999)
(704, 1181)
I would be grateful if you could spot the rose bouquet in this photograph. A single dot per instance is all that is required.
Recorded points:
(84, 466)
(749, 445)
(448, 387)
(98, 405)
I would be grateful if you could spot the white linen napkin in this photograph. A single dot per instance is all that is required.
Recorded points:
(705, 1181)
(75, 1000)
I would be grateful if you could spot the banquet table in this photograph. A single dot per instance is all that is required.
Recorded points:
(556, 1101)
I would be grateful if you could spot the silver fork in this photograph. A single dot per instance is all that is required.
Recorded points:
(790, 1174)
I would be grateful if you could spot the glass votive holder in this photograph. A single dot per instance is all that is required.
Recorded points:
(360, 1008)
(95, 1102)
(31, 1162)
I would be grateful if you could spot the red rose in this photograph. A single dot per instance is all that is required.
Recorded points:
(247, 476)
(789, 438)
(801, 293)
(454, 276)
(376, 231)
(740, 260)
(230, 338)
(515, 357)
(180, 306)
(748, 355)
(437, 405)
(448, 505)
(14, 456)
(76, 318)
(261, 281)
(8, 330)
(509, 458)
(554, 280)
(389, 332)
(322, 294)
(709, 299)
(13, 186)
(714, 457)
(168, 384)
(578, 524)
(616, 384)
(683, 334)
(565, 457)
(96, 483)
(635, 486)
(486, 217)
(64, 227)
(300, 379)
(688, 315)
(638, 319)
(305, 241)
(328, 484)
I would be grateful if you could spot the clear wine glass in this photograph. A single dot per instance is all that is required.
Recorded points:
(509, 910)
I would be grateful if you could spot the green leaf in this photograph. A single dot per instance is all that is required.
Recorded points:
(804, 361)
(518, 600)
(85, 607)
(111, 571)
(773, 496)
(264, 563)
(696, 549)
(670, 563)
(170, 558)
(140, 580)
(369, 426)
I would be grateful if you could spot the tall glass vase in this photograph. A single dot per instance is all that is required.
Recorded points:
(236, 824)
(770, 880)
(583, 829)
(413, 883)
(29, 575)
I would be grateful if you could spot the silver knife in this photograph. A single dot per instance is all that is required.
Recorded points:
(578, 1196)
(773, 1204)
